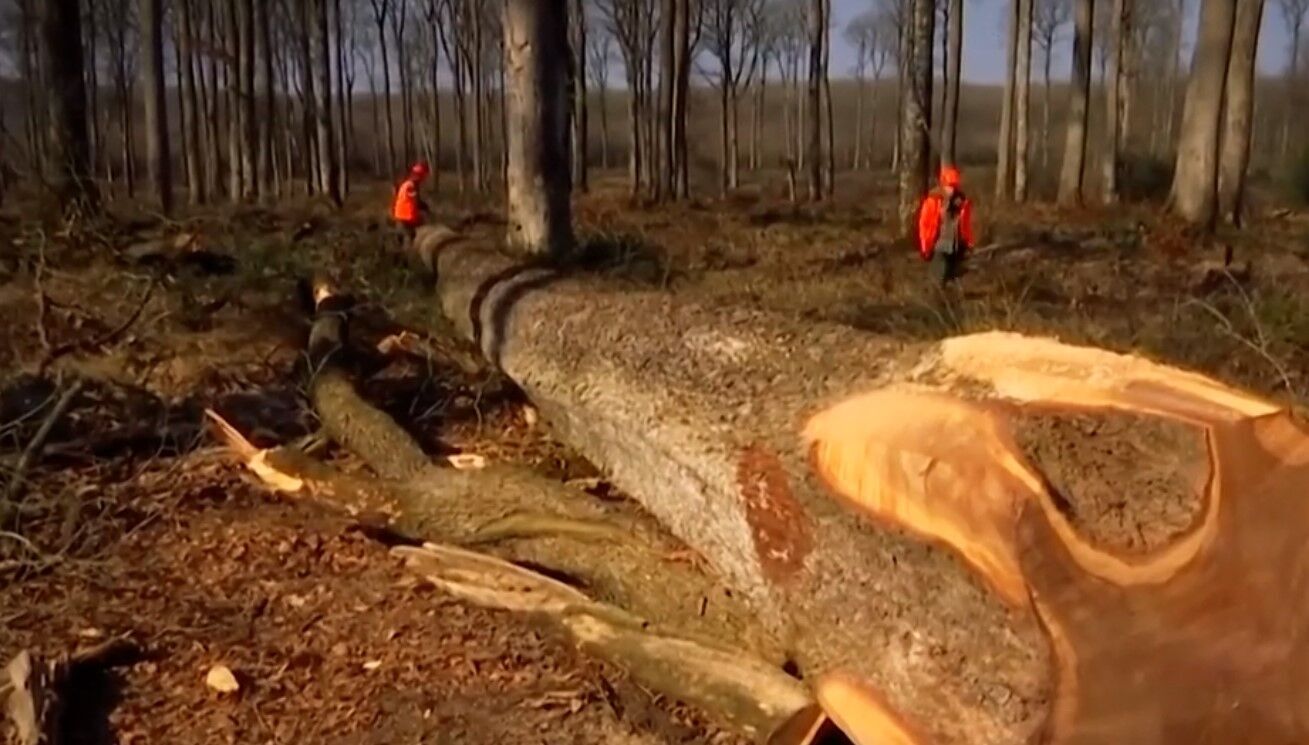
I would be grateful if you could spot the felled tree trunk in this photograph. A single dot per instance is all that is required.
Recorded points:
(947, 538)
(635, 595)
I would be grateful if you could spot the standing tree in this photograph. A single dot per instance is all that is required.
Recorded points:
(732, 29)
(600, 51)
(535, 56)
(1004, 169)
(1293, 13)
(1238, 116)
(381, 11)
(1073, 173)
(817, 40)
(327, 165)
(1195, 179)
(1048, 16)
(580, 114)
(915, 155)
(156, 107)
(953, 68)
(1022, 115)
(191, 140)
(1115, 83)
(67, 162)
(861, 33)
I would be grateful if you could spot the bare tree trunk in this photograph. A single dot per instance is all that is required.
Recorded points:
(268, 119)
(399, 19)
(830, 125)
(581, 137)
(343, 133)
(1238, 108)
(29, 54)
(327, 177)
(904, 46)
(682, 51)
(156, 103)
(1005, 148)
(1045, 111)
(536, 49)
(191, 142)
(757, 114)
(817, 30)
(478, 77)
(954, 67)
(92, 82)
(1073, 172)
(309, 106)
(1023, 100)
(380, 11)
(235, 107)
(1174, 71)
(433, 19)
(1292, 88)
(915, 156)
(861, 86)
(209, 92)
(1195, 180)
(663, 169)
(1119, 33)
(249, 125)
(67, 166)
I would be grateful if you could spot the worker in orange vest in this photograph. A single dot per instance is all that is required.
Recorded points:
(408, 209)
(945, 226)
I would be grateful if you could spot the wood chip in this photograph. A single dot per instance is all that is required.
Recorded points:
(221, 679)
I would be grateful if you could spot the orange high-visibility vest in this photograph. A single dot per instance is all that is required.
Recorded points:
(405, 208)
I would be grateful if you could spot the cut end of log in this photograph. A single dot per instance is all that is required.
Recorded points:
(861, 714)
(255, 459)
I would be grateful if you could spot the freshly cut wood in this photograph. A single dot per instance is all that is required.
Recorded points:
(938, 533)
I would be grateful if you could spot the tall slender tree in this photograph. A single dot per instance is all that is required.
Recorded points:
(327, 170)
(954, 68)
(581, 135)
(191, 140)
(1238, 111)
(381, 12)
(535, 55)
(1115, 86)
(1195, 179)
(1005, 148)
(1022, 114)
(814, 157)
(156, 103)
(67, 163)
(915, 133)
(1293, 14)
(1072, 175)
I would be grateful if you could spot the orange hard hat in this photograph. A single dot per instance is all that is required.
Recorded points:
(419, 169)
(950, 176)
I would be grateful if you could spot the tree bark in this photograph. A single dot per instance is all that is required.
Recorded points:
(664, 167)
(327, 171)
(1195, 179)
(829, 185)
(1023, 101)
(191, 142)
(246, 88)
(817, 31)
(268, 185)
(156, 103)
(954, 69)
(683, 50)
(1119, 33)
(536, 48)
(209, 92)
(67, 161)
(1072, 173)
(342, 127)
(581, 134)
(850, 507)
(380, 11)
(233, 45)
(1004, 169)
(1292, 85)
(1238, 106)
(915, 153)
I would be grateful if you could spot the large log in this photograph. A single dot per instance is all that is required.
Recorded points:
(990, 539)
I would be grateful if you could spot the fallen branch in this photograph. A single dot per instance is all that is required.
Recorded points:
(33, 451)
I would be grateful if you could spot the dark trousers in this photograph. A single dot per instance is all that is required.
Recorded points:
(947, 266)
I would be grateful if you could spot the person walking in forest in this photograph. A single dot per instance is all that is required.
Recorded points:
(408, 208)
(945, 226)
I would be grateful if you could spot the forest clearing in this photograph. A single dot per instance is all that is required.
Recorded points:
(770, 439)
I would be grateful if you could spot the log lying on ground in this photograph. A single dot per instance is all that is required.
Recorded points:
(927, 527)
(676, 628)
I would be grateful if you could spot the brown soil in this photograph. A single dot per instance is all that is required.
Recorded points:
(1129, 483)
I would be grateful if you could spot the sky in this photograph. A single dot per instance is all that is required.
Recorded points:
(985, 28)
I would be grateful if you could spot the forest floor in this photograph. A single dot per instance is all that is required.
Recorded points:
(133, 522)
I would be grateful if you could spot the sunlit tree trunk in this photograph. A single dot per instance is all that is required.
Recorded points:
(1022, 113)
(536, 52)
(954, 67)
(1004, 169)
(1195, 179)
(327, 170)
(1073, 172)
(915, 155)
(1119, 33)
(1238, 105)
